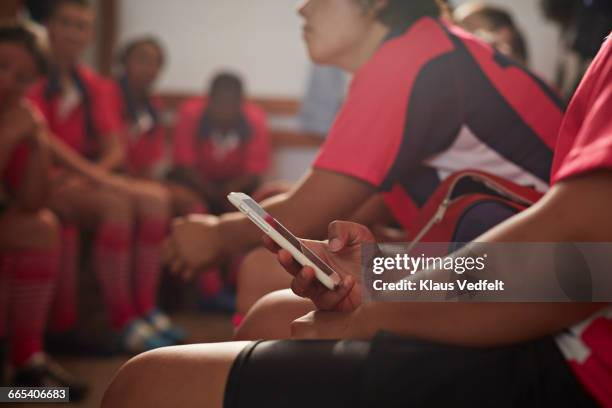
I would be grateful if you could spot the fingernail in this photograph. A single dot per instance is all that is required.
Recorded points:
(335, 244)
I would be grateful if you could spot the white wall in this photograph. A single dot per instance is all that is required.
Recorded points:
(260, 38)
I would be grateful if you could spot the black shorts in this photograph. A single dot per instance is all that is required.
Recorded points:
(391, 371)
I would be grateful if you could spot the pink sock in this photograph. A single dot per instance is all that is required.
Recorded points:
(64, 309)
(147, 266)
(112, 264)
(5, 270)
(32, 282)
(210, 282)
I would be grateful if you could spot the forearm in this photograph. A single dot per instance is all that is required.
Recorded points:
(70, 159)
(306, 210)
(113, 156)
(570, 212)
(469, 324)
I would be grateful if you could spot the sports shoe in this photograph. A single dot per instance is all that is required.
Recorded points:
(42, 371)
(164, 327)
(139, 336)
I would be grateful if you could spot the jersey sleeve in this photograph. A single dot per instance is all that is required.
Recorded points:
(183, 150)
(258, 150)
(592, 146)
(370, 135)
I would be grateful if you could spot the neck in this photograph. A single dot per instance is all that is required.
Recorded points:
(139, 93)
(367, 48)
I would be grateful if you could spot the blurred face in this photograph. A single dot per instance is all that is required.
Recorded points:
(143, 65)
(333, 29)
(70, 31)
(18, 70)
(224, 108)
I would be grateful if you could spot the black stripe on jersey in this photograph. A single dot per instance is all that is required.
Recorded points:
(449, 92)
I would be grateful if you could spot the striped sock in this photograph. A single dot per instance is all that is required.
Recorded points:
(147, 266)
(5, 270)
(112, 265)
(64, 309)
(32, 282)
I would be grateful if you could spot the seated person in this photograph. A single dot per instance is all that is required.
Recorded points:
(129, 226)
(494, 25)
(434, 354)
(30, 244)
(221, 144)
(413, 116)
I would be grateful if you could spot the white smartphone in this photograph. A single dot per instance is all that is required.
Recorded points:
(285, 239)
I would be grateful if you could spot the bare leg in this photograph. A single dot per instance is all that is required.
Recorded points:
(259, 274)
(270, 318)
(184, 376)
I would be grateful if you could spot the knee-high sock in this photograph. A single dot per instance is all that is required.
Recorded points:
(5, 270)
(32, 282)
(112, 265)
(147, 265)
(64, 308)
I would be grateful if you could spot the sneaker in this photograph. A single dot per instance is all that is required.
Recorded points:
(222, 302)
(42, 371)
(139, 336)
(164, 327)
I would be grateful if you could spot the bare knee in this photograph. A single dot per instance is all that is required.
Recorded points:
(23, 230)
(114, 207)
(130, 386)
(271, 316)
(258, 275)
(152, 200)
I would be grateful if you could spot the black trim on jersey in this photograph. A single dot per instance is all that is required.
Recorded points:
(452, 91)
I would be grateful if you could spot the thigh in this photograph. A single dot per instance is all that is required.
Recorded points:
(150, 199)
(78, 201)
(407, 372)
(183, 376)
(297, 373)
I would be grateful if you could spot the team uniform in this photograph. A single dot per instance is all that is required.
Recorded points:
(216, 157)
(392, 371)
(585, 144)
(142, 128)
(433, 101)
(83, 113)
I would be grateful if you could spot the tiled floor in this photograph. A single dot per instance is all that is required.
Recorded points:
(98, 372)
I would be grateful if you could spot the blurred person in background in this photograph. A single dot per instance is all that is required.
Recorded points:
(221, 144)
(129, 225)
(583, 24)
(494, 25)
(30, 246)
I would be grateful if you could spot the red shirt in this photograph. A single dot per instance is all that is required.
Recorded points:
(145, 145)
(248, 155)
(72, 128)
(585, 144)
(436, 100)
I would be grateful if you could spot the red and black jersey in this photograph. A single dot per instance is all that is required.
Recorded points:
(585, 145)
(435, 100)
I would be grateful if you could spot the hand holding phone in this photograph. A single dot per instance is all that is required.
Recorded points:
(285, 239)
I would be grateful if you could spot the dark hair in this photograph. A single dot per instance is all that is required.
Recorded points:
(401, 14)
(20, 33)
(497, 18)
(131, 46)
(226, 82)
(57, 4)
